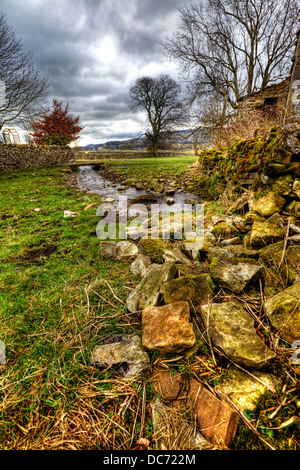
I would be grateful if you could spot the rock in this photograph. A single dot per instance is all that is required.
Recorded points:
(121, 187)
(154, 248)
(231, 329)
(235, 274)
(190, 270)
(215, 420)
(230, 241)
(194, 289)
(168, 328)
(175, 254)
(94, 205)
(140, 265)
(171, 431)
(276, 219)
(127, 356)
(126, 249)
(252, 216)
(267, 204)
(71, 214)
(245, 390)
(169, 192)
(234, 251)
(170, 200)
(108, 249)
(108, 200)
(209, 240)
(66, 213)
(149, 290)
(283, 311)
(264, 234)
(239, 204)
(224, 230)
(167, 385)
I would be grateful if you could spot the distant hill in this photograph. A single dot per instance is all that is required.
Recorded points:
(140, 143)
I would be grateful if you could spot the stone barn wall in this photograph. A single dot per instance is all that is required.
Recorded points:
(13, 157)
(270, 101)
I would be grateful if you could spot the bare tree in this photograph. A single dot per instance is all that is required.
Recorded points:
(159, 97)
(235, 47)
(22, 86)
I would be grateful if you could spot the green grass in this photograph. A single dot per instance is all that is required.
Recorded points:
(148, 170)
(55, 306)
(58, 299)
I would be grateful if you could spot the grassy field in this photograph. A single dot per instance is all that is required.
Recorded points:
(58, 299)
(148, 170)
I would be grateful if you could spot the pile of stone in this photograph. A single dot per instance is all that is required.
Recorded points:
(179, 309)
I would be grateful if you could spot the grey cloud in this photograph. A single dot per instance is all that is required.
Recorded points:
(66, 39)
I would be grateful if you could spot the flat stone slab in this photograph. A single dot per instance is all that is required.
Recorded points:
(194, 289)
(167, 385)
(231, 329)
(168, 328)
(126, 356)
(216, 421)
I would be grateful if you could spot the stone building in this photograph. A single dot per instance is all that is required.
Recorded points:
(267, 103)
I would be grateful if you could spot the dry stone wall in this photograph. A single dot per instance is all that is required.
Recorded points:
(13, 157)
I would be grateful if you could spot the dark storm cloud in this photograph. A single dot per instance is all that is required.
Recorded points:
(92, 51)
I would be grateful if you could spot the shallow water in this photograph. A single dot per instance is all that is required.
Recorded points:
(91, 181)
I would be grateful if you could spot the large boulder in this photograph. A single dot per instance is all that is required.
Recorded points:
(231, 329)
(168, 328)
(283, 311)
(235, 274)
(264, 234)
(195, 289)
(149, 290)
(267, 204)
(125, 354)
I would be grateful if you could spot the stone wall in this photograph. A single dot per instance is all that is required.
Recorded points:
(13, 157)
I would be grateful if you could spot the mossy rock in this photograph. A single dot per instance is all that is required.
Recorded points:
(224, 230)
(194, 289)
(154, 248)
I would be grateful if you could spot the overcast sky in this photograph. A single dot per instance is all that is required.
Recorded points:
(92, 51)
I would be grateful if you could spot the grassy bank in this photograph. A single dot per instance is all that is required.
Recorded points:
(149, 171)
(58, 299)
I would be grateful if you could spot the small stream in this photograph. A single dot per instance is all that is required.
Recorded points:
(91, 181)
